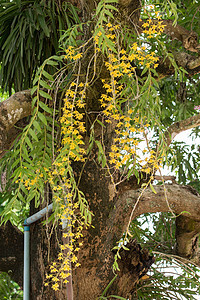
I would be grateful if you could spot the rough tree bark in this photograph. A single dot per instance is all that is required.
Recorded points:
(112, 209)
(11, 252)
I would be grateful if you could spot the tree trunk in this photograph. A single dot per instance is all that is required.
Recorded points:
(11, 252)
(96, 255)
(41, 250)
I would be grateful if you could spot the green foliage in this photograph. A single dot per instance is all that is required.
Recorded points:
(103, 14)
(31, 157)
(69, 36)
(169, 277)
(184, 160)
(30, 31)
(105, 10)
(190, 10)
(149, 231)
(3, 96)
(9, 290)
(184, 95)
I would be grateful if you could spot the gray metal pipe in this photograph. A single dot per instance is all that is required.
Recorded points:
(28, 222)
(38, 215)
(26, 282)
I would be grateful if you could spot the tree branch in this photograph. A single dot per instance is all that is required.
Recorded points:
(189, 39)
(179, 199)
(193, 64)
(181, 126)
(12, 110)
(189, 62)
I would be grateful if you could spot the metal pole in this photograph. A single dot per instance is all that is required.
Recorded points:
(38, 215)
(26, 263)
(27, 222)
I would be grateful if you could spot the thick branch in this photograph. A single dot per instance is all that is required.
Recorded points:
(188, 38)
(12, 110)
(189, 62)
(193, 64)
(165, 178)
(181, 126)
(180, 198)
(177, 199)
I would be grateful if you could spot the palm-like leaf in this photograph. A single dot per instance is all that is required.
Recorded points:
(29, 33)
